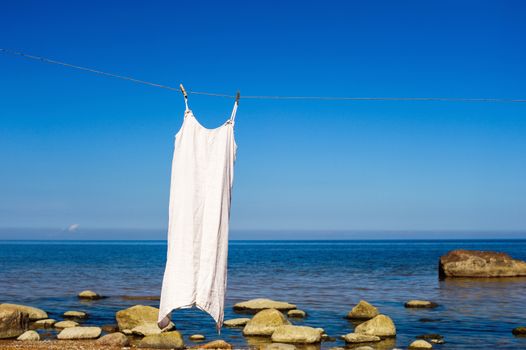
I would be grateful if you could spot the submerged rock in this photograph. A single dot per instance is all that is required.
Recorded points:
(66, 324)
(259, 304)
(33, 312)
(216, 344)
(75, 314)
(519, 331)
(137, 315)
(265, 322)
(79, 333)
(420, 304)
(360, 338)
(90, 295)
(432, 338)
(29, 336)
(476, 263)
(296, 313)
(381, 326)
(363, 311)
(114, 339)
(13, 323)
(168, 340)
(296, 334)
(236, 322)
(420, 344)
(45, 323)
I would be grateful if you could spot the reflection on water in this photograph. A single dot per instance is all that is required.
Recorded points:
(323, 278)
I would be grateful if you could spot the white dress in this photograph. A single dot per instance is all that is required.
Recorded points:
(199, 213)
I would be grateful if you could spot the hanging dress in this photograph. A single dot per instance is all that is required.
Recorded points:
(199, 213)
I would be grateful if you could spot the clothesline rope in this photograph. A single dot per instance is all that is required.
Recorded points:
(260, 97)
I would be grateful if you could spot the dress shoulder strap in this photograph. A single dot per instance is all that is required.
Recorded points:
(233, 115)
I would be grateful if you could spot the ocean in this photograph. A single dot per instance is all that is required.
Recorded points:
(324, 278)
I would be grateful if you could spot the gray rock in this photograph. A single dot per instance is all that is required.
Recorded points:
(265, 322)
(29, 336)
(296, 334)
(236, 322)
(381, 326)
(79, 333)
(114, 339)
(167, 340)
(137, 315)
(360, 338)
(13, 323)
(66, 324)
(420, 304)
(476, 263)
(89, 295)
(363, 311)
(420, 344)
(33, 312)
(259, 304)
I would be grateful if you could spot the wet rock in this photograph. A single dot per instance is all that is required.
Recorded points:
(265, 322)
(33, 312)
(236, 322)
(75, 314)
(381, 326)
(476, 263)
(45, 323)
(79, 333)
(259, 304)
(167, 340)
(296, 334)
(89, 295)
(114, 339)
(420, 304)
(420, 344)
(66, 324)
(363, 311)
(296, 313)
(519, 331)
(137, 315)
(216, 344)
(424, 319)
(29, 336)
(197, 337)
(13, 323)
(278, 346)
(354, 338)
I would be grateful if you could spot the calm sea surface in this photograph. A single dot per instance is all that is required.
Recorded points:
(324, 278)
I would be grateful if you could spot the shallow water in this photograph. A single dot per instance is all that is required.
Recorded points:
(324, 278)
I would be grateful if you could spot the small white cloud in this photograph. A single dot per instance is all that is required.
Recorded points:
(73, 227)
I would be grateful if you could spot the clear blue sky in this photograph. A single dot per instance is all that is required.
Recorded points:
(77, 148)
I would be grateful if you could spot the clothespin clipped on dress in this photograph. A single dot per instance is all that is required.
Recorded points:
(238, 95)
(183, 91)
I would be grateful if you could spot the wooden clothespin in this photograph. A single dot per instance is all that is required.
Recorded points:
(183, 91)
(238, 95)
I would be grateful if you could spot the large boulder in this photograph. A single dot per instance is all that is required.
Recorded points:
(29, 336)
(259, 304)
(381, 326)
(13, 323)
(167, 340)
(79, 333)
(363, 311)
(33, 312)
(476, 263)
(137, 315)
(265, 322)
(296, 334)
(114, 339)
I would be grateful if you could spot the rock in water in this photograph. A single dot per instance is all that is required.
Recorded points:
(381, 326)
(363, 311)
(265, 322)
(29, 336)
(296, 313)
(79, 333)
(146, 329)
(66, 324)
(197, 337)
(259, 304)
(432, 338)
(216, 344)
(236, 322)
(114, 339)
(90, 295)
(519, 331)
(13, 323)
(296, 334)
(278, 346)
(475, 263)
(45, 323)
(33, 312)
(168, 340)
(420, 304)
(75, 314)
(420, 344)
(360, 338)
(137, 315)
